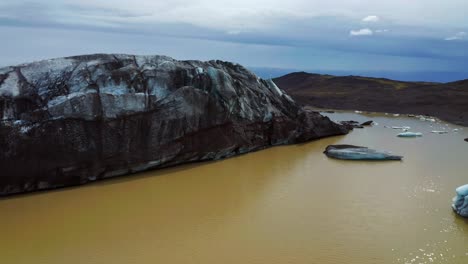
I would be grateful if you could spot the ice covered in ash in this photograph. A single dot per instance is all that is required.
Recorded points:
(350, 152)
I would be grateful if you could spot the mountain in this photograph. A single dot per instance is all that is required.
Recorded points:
(448, 101)
(412, 76)
(74, 120)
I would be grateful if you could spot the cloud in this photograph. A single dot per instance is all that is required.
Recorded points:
(233, 32)
(371, 19)
(361, 32)
(381, 30)
(459, 36)
(292, 27)
(225, 15)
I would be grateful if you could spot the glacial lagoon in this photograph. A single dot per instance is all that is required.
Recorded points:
(288, 204)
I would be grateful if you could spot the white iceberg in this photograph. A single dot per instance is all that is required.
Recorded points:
(410, 134)
(426, 118)
(439, 132)
(401, 127)
(460, 202)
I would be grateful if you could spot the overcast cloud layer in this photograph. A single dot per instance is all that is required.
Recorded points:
(338, 35)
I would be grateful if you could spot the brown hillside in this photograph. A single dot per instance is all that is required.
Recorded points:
(448, 101)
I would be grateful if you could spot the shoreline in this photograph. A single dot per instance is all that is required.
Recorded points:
(396, 114)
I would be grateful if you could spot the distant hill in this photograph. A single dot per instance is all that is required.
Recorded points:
(448, 101)
(413, 76)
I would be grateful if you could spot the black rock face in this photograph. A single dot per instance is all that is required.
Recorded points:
(351, 124)
(73, 120)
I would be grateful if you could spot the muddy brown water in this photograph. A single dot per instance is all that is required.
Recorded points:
(288, 204)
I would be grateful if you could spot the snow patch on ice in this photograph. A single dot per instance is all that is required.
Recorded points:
(10, 86)
(273, 87)
(114, 106)
(114, 90)
(157, 89)
(199, 70)
(54, 67)
(93, 63)
(25, 129)
(64, 98)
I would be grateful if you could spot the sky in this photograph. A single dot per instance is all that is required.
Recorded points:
(419, 39)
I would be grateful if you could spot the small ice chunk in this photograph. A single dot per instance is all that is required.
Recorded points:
(410, 134)
(439, 132)
(401, 127)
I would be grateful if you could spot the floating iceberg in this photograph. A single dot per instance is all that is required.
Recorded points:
(426, 118)
(439, 132)
(460, 202)
(410, 134)
(350, 152)
(401, 127)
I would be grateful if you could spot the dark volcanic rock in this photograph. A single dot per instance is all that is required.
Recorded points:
(367, 123)
(74, 120)
(351, 124)
(350, 152)
(466, 139)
